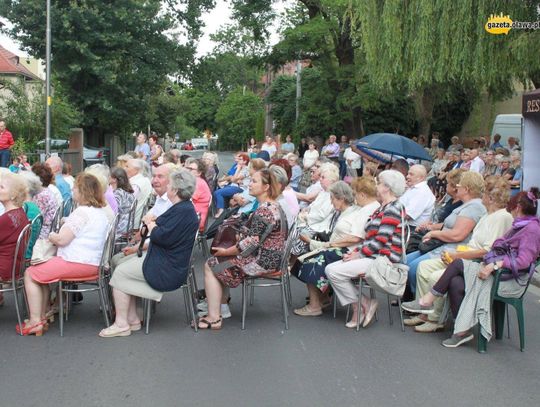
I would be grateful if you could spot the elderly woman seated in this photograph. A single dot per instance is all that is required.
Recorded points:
(202, 197)
(124, 195)
(316, 217)
(457, 227)
(383, 238)
(490, 227)
(235, 182)
(347, 234)
(80, 244)
(166, 264)
(468, 283)
(288, 200)
(257, 253)
(13, 192)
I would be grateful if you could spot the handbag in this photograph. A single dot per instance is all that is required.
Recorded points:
(144, 235)
(43, 250)
(386, 276)
(429, 245)
(228, 234)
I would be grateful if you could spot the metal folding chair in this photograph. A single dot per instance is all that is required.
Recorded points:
(126, 235)
(280, 278)
(16, 283)
(190, 296)
(99, 284)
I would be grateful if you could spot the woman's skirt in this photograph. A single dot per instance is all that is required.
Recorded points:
(311, 270)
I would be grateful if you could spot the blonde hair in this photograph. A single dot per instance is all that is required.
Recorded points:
(498, 189)
(365, 185)
(18, 188)
(474, 182)
(330, 170)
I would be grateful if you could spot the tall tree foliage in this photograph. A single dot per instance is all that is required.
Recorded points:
(108, 55)
(431, 48)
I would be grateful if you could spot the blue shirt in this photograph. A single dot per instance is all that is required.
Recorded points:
(145, 149)
(63, 187)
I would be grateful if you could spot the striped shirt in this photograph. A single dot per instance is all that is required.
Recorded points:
(384, 232)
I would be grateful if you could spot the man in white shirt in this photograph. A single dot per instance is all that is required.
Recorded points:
(477, 164)
(418, 198)
(160, 181)
(141, 185)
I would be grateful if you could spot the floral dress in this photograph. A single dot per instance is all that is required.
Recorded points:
(256, 258)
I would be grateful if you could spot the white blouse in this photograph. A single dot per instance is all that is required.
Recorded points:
(89, 225)
(310, 158)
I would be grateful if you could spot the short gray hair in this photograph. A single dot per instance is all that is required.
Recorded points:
(136, 163)
(183, 182)
(330, 170)
(394, 180)
(342, 190)
(33, 182)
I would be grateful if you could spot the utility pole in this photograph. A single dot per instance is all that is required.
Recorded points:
(48, 82)
(298, 88)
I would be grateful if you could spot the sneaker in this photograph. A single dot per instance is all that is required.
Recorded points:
(225, 311)
(414, 306)
(203, 310)
(456, 340)
(428, 326)
(415, 320)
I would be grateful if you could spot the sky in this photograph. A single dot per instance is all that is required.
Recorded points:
(219, 16)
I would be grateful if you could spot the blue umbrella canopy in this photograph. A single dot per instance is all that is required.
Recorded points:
(394, 144)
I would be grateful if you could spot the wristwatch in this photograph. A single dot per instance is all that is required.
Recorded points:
(496, 266)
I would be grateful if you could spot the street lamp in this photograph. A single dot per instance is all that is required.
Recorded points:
(48, 82)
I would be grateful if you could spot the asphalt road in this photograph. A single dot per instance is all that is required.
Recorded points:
(317, 362)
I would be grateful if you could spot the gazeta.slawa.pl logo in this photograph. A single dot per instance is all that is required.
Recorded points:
(497, 25)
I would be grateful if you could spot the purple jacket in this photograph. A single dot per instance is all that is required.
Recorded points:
(524, 239)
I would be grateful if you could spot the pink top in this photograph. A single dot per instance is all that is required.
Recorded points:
(201, 199)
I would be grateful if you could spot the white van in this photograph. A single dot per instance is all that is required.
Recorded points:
(508, 125)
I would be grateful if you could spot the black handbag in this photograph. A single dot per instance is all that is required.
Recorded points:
(429, 245)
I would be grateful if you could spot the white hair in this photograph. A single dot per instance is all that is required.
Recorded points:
(394, 180)
(329, 170)
(33, 182)
(101, 172)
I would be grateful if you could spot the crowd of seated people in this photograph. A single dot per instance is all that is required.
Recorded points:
(346, 208)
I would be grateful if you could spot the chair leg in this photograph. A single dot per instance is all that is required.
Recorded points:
(507, 321)
(147, 313)
(284, 304)
(61, 305)
(192, 304)
(186, 305)
(334, 306)
(521, 324)
(400, 314)
(103, 302)
(244, 302)
(389, 310)
(481, 342)
(251, 294)
(17, 309)
(498, 310)
(359, 305)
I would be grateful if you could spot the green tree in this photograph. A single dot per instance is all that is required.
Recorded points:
(237, 118)
(24, 107)
(439, 49)
(109, 55)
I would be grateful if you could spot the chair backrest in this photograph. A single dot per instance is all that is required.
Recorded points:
(67, 207)
(37, 224)
(131, 217)
(55, 224)
(405, 235)
(289, 243)
(108, 247)
(20, 250)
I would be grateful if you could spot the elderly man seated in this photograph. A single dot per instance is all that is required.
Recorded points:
(56, 165)
(141, 185)
(418, 199)
(160, 182)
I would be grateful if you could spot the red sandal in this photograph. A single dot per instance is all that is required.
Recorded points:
(26, 329)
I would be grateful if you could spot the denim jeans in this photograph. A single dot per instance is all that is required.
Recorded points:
(5, 158)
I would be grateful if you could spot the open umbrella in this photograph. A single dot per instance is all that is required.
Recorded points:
(394, 144)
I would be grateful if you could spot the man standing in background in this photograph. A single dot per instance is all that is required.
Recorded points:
(142, 148)
(6, 142)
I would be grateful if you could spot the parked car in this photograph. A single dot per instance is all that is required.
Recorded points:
(93, 155)
(56, 144)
